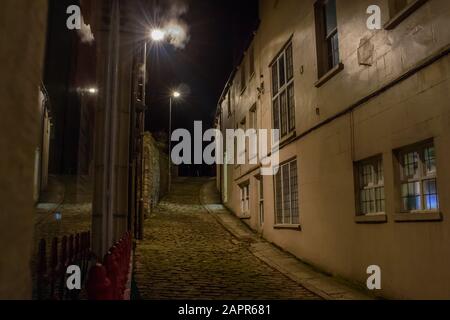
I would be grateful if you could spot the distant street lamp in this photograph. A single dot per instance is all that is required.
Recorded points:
(174, 95)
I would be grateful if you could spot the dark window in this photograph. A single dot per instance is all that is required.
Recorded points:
(327, 36)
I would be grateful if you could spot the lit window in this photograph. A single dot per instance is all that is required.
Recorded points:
(418, 176)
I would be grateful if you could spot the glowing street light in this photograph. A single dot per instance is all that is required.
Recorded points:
(176, 94)
(157, 35)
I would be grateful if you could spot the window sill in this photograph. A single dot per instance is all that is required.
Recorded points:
(371, 218)
(329, 75)
(420, 216)
(402, 15)
(245, 217)
(295, 227)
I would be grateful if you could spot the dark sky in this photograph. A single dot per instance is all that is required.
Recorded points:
(219, 31)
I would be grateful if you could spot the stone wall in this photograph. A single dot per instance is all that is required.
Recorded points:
(21, 60)
(155, 173)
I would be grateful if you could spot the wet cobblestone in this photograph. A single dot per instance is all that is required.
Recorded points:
(187, 254)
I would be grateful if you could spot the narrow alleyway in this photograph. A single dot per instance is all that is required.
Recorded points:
(187, 254)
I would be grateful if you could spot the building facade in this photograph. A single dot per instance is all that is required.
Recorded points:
(364, 120)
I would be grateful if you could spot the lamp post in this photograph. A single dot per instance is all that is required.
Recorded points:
(175, 95)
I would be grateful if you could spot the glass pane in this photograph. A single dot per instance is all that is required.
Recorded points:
(430, 161)
(289, 63)
(380, 173)
(291, 103)
(379, 199)
(282, 72)
(366, 175)
(333, 50)
(432, 202)
(284, 114)
(278, 198)
(276, 114)
(275, 79)
(294, 193)
(261, 189)
(286, 195)
(411, 196)
(330, 16)
(411, 165)
(430, 194)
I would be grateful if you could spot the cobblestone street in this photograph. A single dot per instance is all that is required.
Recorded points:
(187, 254)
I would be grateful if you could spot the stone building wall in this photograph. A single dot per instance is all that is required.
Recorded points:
(21, 60)
(390, 92)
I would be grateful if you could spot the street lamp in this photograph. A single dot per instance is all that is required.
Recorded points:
(174, 95)
(157, 35)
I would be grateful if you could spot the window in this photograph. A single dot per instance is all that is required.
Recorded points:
(286, 195)
(243, 76)
(245, 199)
(243, 126)
(399, 10)
(253, 145)
(261, 200)
(327, 36)
(283, 100)
(229, 103)
(418, 178)
(370, 186)
(252, 61)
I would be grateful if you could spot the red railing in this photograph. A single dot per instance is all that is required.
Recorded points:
(110, 280)
(51, 271)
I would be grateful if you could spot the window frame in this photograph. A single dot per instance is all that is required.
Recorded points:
(294, 216)
(420, 177)
(325, 69)
(245, 199)
(374, 162)
(261, 212)
(283, 121)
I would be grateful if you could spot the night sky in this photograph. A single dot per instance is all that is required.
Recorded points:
(219, 31)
